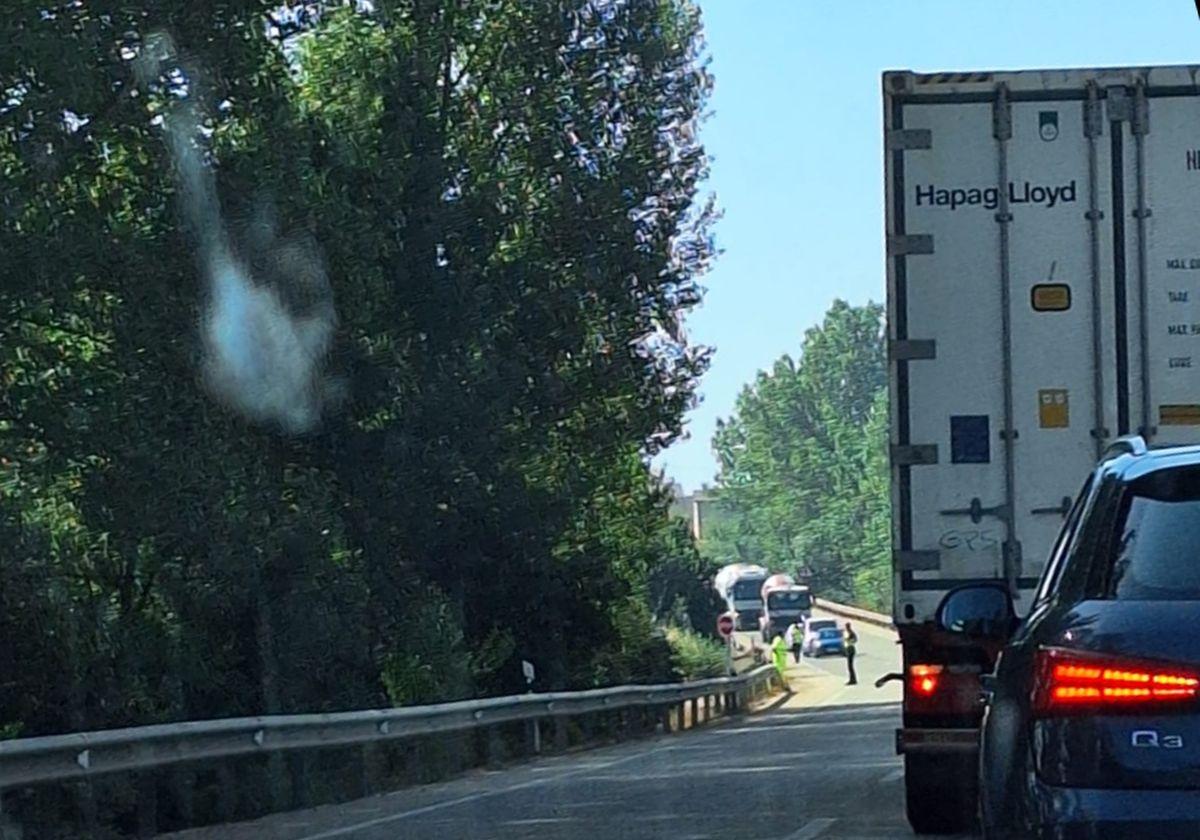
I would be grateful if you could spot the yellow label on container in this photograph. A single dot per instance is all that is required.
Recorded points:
(1179, 415)
(1051, 297)
(1054, 409)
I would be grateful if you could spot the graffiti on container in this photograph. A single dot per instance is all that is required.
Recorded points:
(969, 539)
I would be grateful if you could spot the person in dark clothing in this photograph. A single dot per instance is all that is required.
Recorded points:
(850, 643)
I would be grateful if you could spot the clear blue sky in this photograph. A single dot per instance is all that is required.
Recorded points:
(796, 135)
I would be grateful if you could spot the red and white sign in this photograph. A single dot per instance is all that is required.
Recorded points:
(725, 625)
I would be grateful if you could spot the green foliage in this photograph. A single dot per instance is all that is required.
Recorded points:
(432, 661)
(635, 652)
(694, 656)
(679, 585)
(505, 194)
(803, 463)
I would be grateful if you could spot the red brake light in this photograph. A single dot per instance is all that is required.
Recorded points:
(923, 679)
(1068, 681)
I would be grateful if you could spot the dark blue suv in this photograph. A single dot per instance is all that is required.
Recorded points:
(1092, 722)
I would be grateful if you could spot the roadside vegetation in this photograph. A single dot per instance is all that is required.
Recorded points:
(695, 656)
(497, 208)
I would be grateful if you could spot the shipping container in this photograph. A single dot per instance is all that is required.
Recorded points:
(1043, 271)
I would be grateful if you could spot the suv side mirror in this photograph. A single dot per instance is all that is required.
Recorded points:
(978, 610)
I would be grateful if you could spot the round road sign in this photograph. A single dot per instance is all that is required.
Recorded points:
(725, 625)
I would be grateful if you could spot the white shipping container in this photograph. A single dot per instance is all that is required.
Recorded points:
(1043, 233)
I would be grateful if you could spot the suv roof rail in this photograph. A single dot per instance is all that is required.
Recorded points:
(1127, 445)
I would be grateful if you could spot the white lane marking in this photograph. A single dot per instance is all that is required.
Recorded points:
(833, 724)
(814, 714)
(540, 821)
(691, 772)
(895, 776)
(812, 829)
(472, 797)
(877, 708)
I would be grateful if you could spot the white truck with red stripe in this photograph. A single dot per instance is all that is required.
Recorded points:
(1043, 267)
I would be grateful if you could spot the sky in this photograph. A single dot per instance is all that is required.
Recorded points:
(796, 135)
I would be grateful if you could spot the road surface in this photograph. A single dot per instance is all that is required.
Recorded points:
(821, 681)
(814, 765)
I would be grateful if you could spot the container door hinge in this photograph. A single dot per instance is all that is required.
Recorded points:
(977, 511)
(1141, 111)
(921, 454)
(911, 349)
(904, 139)
(1002, 114)
(1120, 105)
(1062, 509)
(1093, 114)
(913, 243)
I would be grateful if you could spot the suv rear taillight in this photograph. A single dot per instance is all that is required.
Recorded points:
(1071, 682)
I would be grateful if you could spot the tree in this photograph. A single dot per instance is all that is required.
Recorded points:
(803, 461)
(503, 201)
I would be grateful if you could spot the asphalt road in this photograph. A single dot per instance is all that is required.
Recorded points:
(802, 774)
(818, 763)
(821, 681)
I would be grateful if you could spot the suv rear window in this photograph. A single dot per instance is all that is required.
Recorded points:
(1155, 557)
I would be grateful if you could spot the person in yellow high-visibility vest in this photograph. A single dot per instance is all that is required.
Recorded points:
(779, 652)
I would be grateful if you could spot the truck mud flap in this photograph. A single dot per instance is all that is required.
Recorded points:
(926, 741)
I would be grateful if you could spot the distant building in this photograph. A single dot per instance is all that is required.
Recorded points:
(701, 509)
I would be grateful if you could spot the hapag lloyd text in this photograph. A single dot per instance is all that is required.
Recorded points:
(989, 197)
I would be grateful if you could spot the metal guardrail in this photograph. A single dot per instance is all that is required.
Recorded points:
(78, 755)
(865, 616)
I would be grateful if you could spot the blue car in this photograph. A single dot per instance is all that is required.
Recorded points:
(822, 636)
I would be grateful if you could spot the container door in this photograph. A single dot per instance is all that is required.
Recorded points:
(968, 506)
(1063, 351)
(1160, 144)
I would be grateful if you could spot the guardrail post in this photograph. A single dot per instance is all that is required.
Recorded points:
(664, 719)
(410, 761)
(87, 806)
(227, 793)
(183, 783)
(277, 782)
(495, 747)
(695, 712)
(146, 783)
(372, 767)
(535, 736)
(707, 708)
(4, 824)
(300, 773)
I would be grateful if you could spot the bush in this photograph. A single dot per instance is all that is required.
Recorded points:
(694, 656)
(638, 653)
(433, 662)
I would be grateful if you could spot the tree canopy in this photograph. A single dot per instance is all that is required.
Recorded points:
(803, 462)
(501, 197)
